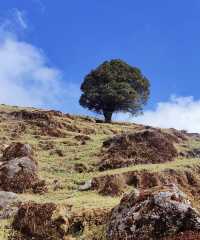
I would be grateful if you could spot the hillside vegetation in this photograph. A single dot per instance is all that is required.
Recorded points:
(88, 165)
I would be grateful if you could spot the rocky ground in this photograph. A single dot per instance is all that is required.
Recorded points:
(74, 177)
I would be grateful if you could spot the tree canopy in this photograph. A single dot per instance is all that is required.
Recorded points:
(115, 86)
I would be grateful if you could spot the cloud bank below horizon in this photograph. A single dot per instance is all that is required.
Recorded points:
(179, 112)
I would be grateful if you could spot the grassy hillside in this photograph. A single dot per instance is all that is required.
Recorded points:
(66, 141)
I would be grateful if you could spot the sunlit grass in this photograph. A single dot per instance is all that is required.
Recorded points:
(61, 168)
(179, 163)
(4, 229)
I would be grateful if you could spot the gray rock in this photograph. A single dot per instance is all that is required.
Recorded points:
(17, 150)
(153, 214)
(8, 204)
(15, 165)
(7, 198)
(87, 186)
(18, 175)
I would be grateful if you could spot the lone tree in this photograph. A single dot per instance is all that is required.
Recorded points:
(114, 86)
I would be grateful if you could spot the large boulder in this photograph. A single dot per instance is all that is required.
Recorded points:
(18, 174)
(49, 221)
(19, 170)
(153, 214)
(40, 221)
(141, 147)
(16, 150)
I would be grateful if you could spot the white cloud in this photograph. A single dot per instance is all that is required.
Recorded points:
(25, 75)
(178, 112)
(20, 17)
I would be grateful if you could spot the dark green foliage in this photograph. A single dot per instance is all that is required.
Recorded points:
(114, 86)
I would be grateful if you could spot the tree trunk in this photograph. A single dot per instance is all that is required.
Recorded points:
(107, 116)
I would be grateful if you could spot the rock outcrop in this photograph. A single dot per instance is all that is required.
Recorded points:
(7, 198)
(51, 123)
(186, 179)
(53, 222)
(40, 221)
(45, 121)
(17, 150)
(142, 147)
(19, 169)
(8, 204)
(111, 185)
(153, 214)
(189, 235)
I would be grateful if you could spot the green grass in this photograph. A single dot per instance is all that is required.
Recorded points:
(179, 163)
(4, 229)
(53, 167)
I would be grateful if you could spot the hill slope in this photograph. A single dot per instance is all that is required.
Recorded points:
(70, 151)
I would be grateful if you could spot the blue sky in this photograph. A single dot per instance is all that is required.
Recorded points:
(70, 38)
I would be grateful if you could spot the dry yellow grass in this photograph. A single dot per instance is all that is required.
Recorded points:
(54, 167)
